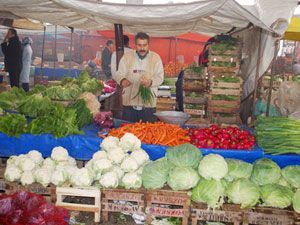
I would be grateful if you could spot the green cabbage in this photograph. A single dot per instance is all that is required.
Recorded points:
(275, 195)
(213, 166)
(283, 182)
(210, 192)
(183, 178)
(244, 192)
(238, 169)
(184, 155)
(265, 171)
(296, 201)
(155, 174)
(292, 175)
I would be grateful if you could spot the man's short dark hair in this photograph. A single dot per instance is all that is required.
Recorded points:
(109, 42)
(125, 40)
(142, 35)
(13, 31)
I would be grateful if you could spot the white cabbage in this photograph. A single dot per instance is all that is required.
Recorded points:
(102, 165)
(59, 154)
(27, 164)
(129, 164)
(42, 176)
(36, 156)
(58, 177)
(12, 173)
(132, 180)
(140, 156)
(82, 178)
(100, 155)
(116, 155)
(27, 178)
(110, 143)
(129, 142)
(118, 170)
(109, 180)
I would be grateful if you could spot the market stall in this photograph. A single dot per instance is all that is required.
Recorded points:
(149, 169)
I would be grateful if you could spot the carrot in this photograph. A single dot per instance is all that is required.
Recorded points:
(154, 133)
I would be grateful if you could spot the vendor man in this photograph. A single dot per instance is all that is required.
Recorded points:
(140, 67)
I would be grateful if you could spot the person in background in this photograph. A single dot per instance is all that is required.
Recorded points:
(116, 98)
(106, 59)
(12, 50)
(26, 62)
(114, 55)
(140, 67)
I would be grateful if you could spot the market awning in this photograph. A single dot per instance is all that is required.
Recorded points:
(207, 17)
(21, 24)
(293, 31)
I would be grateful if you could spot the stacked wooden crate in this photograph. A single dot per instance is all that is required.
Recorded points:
(165, 104)
(225, 85)
(195, 93)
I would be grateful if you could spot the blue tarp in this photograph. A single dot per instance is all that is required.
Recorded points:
(82, 147)
(285, 160)
(57, 72)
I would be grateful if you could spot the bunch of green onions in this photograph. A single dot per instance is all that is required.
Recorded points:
(146, 94)
(278, 135)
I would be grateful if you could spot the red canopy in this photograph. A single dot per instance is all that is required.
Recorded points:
(185, 47)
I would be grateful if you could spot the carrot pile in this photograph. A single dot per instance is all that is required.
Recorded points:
(158, 133)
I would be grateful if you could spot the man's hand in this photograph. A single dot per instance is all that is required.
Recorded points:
(6, 37)
(146, 82)
(125, 83)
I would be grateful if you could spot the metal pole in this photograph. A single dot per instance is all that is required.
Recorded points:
(71, 47)
(55, 53)
(119, 43)
(257, 73)
(115, 103)
(272, 79)
(175, 56)
(43, 50)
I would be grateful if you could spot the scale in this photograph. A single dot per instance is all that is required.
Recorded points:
(164, 91)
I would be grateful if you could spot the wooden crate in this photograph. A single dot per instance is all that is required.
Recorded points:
(234, 52)
(297, 218)
(91, 192)
(198, 113)
(47, 192)
(195, 100)
(198, 122)
(11, 187)
(195, 85)
(2, 181)
(4, 87)
(266, 84)
(132, 201)
(232, 56)
(200, 212)
(166, 197)
(165, 104)
(231, 109)
(268, 216)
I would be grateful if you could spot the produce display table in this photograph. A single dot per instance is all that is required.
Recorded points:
(82, 147)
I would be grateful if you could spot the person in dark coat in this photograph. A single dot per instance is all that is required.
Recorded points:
(12, 50)
(106, 59)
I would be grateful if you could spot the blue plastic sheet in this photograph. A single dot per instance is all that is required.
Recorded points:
(285, 160)
(81, 147)
(57, 72)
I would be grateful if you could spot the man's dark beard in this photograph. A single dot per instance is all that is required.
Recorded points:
(142, 56)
